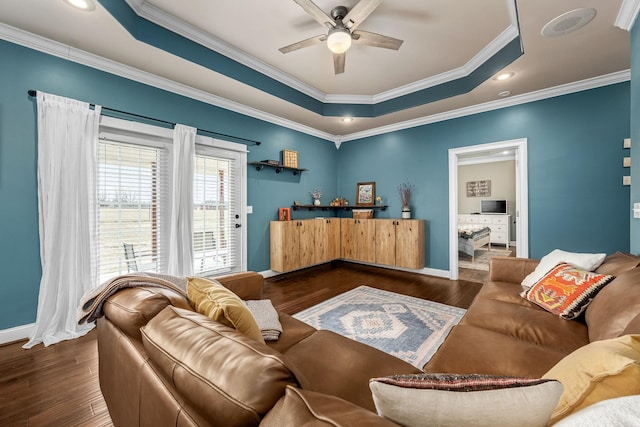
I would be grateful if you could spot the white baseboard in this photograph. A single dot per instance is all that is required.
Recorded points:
(16, 334)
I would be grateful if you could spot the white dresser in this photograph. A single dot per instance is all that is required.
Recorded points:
(498, 223)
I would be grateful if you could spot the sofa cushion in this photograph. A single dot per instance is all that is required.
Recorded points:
(473, 350)
(617, 263)
(306, 408)
(598, 371)
(566, 291)
(215, 301)
(582, 261)
(131, 308)
(528, 323)
(613, 309)
(458, 400)
(332, 364)
(221, 372)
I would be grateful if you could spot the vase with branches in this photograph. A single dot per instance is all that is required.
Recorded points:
(315, 195)
(405, 190)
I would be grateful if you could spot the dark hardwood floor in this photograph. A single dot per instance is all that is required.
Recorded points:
(58, 385)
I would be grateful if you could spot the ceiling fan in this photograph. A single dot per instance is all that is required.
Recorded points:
(342, 26)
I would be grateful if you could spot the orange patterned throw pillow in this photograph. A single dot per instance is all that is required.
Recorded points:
(566, 291)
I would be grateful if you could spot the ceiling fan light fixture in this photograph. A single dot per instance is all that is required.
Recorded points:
(339, 40)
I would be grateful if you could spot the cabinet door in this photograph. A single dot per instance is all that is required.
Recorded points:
(349, 238)
(386, 241)
(366, 232)
(410, 243)
(332, 232)
(284, 241)
(307, 241)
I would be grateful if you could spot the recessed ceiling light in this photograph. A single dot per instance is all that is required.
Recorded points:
(504, 93)
(347, 119)
(568, 22)
(504, 76)
(86, 5)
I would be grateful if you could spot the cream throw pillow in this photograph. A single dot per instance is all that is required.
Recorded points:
(213, 300)
(581, 261)
(598, 371)
(465, 400)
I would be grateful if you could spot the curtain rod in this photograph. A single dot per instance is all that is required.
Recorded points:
(32, 92)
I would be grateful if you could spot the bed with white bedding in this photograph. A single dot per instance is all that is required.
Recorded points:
(471, 238)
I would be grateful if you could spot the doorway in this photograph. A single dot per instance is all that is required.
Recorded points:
(456, 156)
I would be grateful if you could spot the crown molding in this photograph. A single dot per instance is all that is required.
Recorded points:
(165, 20)
(582, 85)
(627, 14)
(41, 44)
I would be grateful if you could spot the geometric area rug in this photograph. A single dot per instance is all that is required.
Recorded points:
(409, 328)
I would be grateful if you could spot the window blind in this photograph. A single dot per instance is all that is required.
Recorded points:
(132, 187)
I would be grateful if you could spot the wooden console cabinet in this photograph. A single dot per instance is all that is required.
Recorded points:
(301, 243)
(358, 239)
(400, 242)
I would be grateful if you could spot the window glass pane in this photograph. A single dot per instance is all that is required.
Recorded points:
(129, 187)
(213, 216)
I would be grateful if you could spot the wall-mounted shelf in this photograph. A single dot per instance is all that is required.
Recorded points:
(328, 207)
(279, 168)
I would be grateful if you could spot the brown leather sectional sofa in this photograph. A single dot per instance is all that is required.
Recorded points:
(162, 364)
(504, 334)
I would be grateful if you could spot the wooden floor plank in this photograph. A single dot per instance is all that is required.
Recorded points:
(58, 385)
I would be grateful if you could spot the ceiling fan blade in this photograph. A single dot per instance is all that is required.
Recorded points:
(359, 13)
(376, 40)
(318, 14)
(338, 62)
(304, 43)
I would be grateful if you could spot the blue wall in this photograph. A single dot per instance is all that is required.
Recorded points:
(576, 200)
(28, 69)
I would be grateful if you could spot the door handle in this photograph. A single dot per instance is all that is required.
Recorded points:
(238, 225)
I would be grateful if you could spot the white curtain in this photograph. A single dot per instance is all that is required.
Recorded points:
(180, 262)
(67, 141)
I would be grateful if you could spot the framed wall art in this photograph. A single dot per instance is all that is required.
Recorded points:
(365, 193)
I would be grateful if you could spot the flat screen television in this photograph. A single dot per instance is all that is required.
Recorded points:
(493, 206)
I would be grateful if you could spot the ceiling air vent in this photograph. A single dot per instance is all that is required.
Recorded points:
(568, 22)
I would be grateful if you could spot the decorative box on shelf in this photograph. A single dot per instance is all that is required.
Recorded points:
(290, 158)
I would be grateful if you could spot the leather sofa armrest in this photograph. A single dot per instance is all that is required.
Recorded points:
(510, 269)
(247, 285)
(303, 407)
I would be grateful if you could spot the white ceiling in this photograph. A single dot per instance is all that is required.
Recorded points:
(442, 38)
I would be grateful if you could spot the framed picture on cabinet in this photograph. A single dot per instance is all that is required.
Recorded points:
(284, 214)
(365, 193)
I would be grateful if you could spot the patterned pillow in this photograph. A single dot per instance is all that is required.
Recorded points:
(455, 400)
(566, 291)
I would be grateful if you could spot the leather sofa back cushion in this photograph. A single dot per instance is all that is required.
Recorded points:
(224, 375)
(617, 263)
(130, 309)
(615, 306)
